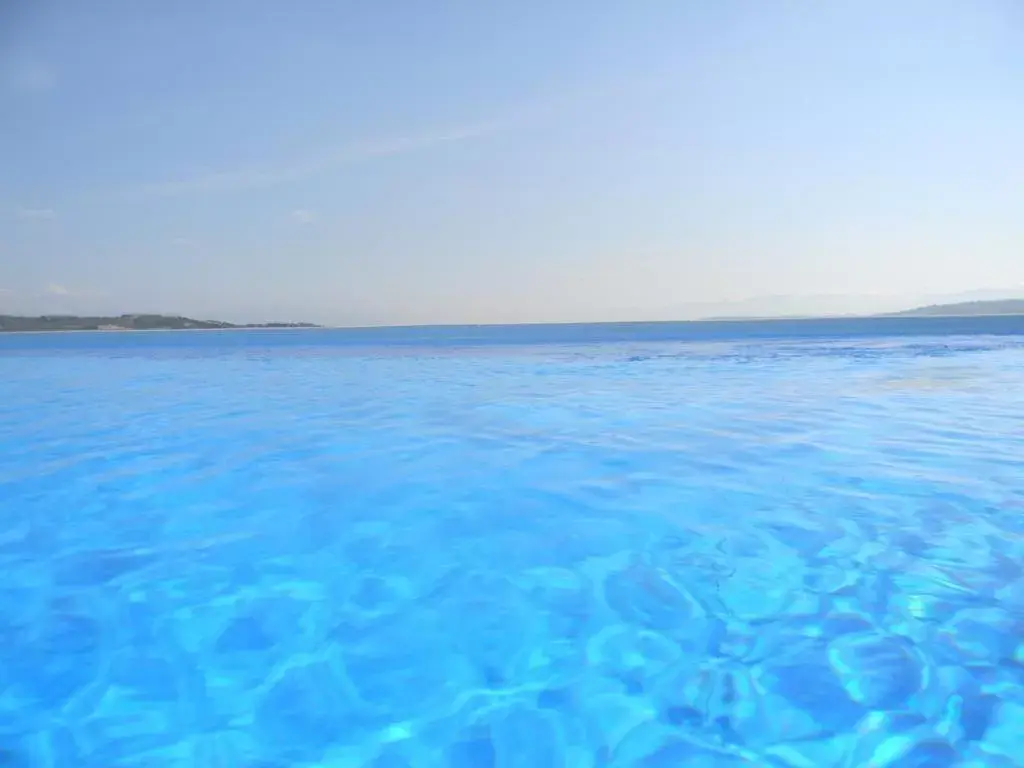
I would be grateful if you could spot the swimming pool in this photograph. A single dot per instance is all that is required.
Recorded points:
(615, 546)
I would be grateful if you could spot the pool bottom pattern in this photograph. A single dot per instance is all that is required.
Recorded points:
(668, 556)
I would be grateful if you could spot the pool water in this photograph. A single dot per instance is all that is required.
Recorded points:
(591, 547)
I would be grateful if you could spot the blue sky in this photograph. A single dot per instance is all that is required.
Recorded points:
(406, 162)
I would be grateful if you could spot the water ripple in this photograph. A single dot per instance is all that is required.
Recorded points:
(289, 550)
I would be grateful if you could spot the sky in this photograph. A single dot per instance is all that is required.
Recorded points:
(352, 162)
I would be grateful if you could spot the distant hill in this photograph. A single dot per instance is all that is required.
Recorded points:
(15, 323)
(964, 308)
(764, 318)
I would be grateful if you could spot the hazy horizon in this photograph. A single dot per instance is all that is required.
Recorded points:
(523, 162)
(752, 308)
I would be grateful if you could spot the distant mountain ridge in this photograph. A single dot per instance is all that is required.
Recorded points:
(144, 322)
(149, 322)
(833, 305)
(966, 308)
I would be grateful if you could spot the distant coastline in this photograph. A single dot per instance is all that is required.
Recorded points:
(156, 322)
(998, 307)
(988, 308)
(121, 323)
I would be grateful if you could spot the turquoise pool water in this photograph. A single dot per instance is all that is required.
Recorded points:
(797, 545)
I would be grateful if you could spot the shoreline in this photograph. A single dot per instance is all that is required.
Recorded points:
(698, 321)
(169, 330)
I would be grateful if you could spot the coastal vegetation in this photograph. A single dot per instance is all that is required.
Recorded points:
(16, 323)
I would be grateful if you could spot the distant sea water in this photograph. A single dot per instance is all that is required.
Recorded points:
(795, 544)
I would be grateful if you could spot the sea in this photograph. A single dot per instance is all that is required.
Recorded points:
(790, 544)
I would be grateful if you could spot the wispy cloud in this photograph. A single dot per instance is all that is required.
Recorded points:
(303, 216)
(304, 167)
(60, 292)
(35, 213)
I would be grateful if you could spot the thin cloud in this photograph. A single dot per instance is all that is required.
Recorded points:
(301, 168)
(303, 216)
(59, 291)
(38, 214)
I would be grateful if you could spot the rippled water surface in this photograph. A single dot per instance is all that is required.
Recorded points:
(522, 548)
